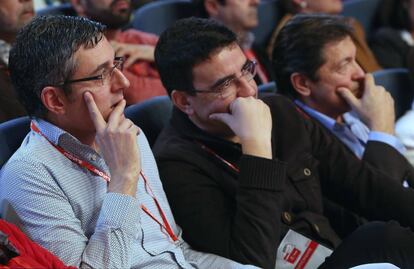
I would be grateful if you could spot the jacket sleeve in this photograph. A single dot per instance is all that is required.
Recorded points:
(388, 160)
(243, 226)
(357, 184)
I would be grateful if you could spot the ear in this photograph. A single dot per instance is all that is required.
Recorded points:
(53, 98)
(212, 7)
(79, 7)
(301, 84)
(181, 100)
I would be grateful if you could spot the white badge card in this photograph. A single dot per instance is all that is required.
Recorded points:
(299, 252)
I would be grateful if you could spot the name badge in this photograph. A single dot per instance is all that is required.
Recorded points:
(299, 252)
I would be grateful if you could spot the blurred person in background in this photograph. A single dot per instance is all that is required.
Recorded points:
(14, 14)
(240, 17)
(136, 46)
(393, 42)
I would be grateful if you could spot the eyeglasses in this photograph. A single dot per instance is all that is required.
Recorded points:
(230, 86)
(104, 77)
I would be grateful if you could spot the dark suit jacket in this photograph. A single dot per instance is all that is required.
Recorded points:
(10, 107)
(243, 216)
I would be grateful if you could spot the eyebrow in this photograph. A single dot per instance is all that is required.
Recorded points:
(223, 79)
(102, 66)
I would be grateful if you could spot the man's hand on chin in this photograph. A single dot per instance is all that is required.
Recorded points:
(251, 121)
(375, 107)
(117, 143)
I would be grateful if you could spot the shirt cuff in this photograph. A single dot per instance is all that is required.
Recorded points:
(119, 211)
(387, 139)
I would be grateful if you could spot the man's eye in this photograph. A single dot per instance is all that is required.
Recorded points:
(225, 84)
(105, 73)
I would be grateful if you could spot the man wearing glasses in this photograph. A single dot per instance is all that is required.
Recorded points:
(241, 174)
(84, 183)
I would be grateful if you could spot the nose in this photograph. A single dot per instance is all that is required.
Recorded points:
(246, 87)
(358, 72)
(119, 80)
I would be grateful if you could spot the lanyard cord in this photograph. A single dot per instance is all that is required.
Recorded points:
(107, 178)
(213, 153)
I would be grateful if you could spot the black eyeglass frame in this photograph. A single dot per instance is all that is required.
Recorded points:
(118, 64)
(247, 65)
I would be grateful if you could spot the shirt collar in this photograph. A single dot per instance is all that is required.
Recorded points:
(349, 118)
(328, 122)
(60, 137)
(5, 51)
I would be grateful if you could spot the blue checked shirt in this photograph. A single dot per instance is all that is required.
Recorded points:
(67, 209)
(353, 132)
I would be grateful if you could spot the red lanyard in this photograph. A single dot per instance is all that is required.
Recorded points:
(165, 223)
(72, 157)
(212, 152)
(106, 177)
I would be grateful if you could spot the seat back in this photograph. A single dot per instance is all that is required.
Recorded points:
(156, 16)
(398, 82)
(151, 116)
(269, 15)
(12, 133)
(364, 11)
(63, 9)
(267, 89)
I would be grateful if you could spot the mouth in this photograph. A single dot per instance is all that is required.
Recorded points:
(115, 104)
(29, 12)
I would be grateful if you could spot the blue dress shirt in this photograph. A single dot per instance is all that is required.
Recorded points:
(352, 132)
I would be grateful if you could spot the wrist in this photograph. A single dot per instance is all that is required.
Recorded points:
(257, 147)
(126, 184)
(388, 129)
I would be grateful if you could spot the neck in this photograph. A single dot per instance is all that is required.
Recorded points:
(111, 34)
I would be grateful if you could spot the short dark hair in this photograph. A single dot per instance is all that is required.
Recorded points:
(188, 42)
(300, 44)
(43, 55)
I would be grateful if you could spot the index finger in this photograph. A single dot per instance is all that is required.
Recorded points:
(96, 116)
(348, 96)
(369, 81)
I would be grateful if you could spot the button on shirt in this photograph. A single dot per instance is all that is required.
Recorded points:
(353, 132)
(67, 209)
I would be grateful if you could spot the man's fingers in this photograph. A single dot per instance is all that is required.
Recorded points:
(348, 96)
(369, 81)
(117, 113)
(94, 113)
